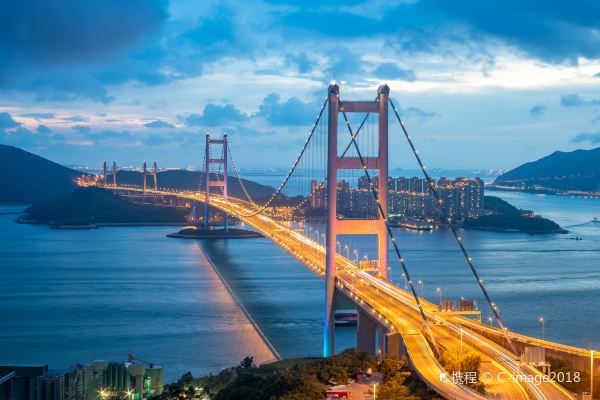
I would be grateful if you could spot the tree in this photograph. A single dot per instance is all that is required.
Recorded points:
(248, 362)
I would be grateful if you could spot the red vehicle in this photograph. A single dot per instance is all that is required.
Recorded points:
(337, 392)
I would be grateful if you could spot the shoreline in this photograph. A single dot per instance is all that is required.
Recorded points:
(96, 224)
(257, 330)
(547, 191)
(213, 234)
(508, 230)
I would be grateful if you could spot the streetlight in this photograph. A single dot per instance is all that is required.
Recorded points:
(421, 283)
(339, 246)
(323, 236)
(439, 291)
(347, 251)
(405, 281)
(356, 256)
(543, 326)
(490, 320)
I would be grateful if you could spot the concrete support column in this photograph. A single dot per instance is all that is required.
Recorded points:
(381, 345)
(225, 152)
(145, 174)
(206, 180)
(383, 93)
(331, 235)
(366, 332)
(155, 176)
(395, 346)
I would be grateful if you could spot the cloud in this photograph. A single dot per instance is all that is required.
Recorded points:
(21, 137)
(571, 100)
(574, 100)
(215, 115)
(593, 138)
(43, 129)
(246, 131)
(160, 139)
(38, 115)
(393, 71)
(60, 50)
(551, 31)
(300, 61)
(76, 118)
(108, 135)
(344, 64)
(159, 124)
(293, 111)
(537, 110)
(81, 128)
(7, 121)
(417, 112)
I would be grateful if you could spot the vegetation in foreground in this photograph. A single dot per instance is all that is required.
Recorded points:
(469, 362)
(298, 379)
(582, 384)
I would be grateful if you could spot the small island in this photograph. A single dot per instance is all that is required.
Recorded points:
(503, 216)
(90, 207)
(194, 232)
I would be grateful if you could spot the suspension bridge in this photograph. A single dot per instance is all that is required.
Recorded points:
(306, 217)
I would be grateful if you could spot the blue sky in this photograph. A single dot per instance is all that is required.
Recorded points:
(482, 84)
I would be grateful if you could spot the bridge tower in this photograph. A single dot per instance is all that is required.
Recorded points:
(150, 173)
(349, 226)
(112, 172)
(209, 182)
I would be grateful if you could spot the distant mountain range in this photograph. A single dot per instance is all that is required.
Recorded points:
(193, 180)
(560, 171)
(26, 178)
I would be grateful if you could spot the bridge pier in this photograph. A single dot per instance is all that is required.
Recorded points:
(366, 333)
(394, 345)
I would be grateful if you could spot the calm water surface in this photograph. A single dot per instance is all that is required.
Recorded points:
(75, 296)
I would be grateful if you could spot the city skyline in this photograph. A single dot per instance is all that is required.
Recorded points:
(469, 86)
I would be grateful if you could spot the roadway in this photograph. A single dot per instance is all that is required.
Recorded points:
(396, 310)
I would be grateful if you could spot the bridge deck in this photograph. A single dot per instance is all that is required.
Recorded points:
(396, 310)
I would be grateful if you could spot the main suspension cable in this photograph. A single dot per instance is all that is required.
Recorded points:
(457, 237)
(313, 191)
(292, 169)
(389, 229)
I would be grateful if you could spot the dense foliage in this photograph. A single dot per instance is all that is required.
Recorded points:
(398, 382)
(297, 379)
(463, 363)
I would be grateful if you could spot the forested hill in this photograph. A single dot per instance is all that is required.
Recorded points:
(575, 170)
(26, 177)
